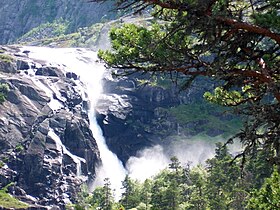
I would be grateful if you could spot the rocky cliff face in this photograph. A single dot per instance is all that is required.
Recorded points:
(46, 146)
(20, 16)
(135, 116)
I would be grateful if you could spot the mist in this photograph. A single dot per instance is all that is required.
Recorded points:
(192, 152)
(149, 162)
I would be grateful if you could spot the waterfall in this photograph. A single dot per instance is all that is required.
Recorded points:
(83, 62)
(64, 150)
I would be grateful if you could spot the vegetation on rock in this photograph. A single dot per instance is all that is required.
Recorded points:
(17, 18)
(57, 34)
(45, 30)
(204, 118)
(6, 58)
(9, 202)
(4, 88)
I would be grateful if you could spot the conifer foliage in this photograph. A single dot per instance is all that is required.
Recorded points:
(236, 43)
(217, 185)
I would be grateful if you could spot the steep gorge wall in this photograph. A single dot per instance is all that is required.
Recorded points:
(20, 16)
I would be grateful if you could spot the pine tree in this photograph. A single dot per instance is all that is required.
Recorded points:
(198, 198)
(268, 197)
(222, 180)
(131, 195)
(145, 195)
(102, 197)
(169, 190)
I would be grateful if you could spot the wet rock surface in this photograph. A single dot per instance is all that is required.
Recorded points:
(134, 116)
(46, 146)
(131, 115)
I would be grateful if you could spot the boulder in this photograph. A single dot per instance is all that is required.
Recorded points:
(134, 110)
(49, 71)
(71, 75)
(22, 65)
(8, 66)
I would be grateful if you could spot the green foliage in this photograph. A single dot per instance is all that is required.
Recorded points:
(1, 164)
(258, 167)
(132, 45)
(131, 195)
(5, 159)
(125, 51)
(233, 42)
(102, 197)
(169, 189)
(224, 97)
(8, 201)
(206, 117)
(4, 88)
(268, 197)
(156, 81)
(218, 185)
(198, 198)
(268, 16)
(6, 58)
(223, 180)
(270, 20)
(19, 148)
(145, 195)
(46, 30)
(230, 98)
(98, 198)
(82, 199)
(237, 44)
(83, 37)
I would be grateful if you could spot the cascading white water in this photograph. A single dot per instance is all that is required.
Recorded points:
(64, 150)
(83, 62)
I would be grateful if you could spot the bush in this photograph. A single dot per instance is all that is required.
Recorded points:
(6, 58)
(4, 88)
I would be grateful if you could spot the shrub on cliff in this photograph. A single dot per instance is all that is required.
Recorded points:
(4, 88)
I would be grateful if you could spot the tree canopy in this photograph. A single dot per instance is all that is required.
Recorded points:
(217, 185)
(234, 42)
(267, 198)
